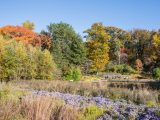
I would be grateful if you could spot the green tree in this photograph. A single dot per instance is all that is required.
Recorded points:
(156, 73)
(21, 55)
(45, 65)
(98, 48)
(29, 25)
(68, 48)
(31, 62)
(8, 61)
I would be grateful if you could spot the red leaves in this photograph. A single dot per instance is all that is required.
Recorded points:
(27, 36)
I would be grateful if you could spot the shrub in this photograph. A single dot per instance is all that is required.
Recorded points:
(151, 103)
(138, 65)
(73, 73)
(109, 67)
(128, 69)
(92, 113)
(156, 73)
(122, 68)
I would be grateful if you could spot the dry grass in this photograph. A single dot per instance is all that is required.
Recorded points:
(138, 94)
(69, 113)
(38, 108)
(46, 108)
(8, 110)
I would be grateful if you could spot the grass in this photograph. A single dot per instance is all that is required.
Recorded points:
(92, 89)
(15, 105)
(8, 91)
(44, 108)
(90, 78)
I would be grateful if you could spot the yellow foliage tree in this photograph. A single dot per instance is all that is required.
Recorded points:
(156, 43)
(29, 25)
(98, 48)
(156, 40)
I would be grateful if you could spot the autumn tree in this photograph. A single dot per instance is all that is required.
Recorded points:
(156, 48)
(98, 48)
(26, 36)
(21, 55)
(8, 60)
(28, 24)
(156, 45)
(21, 61)
(117, 42)
(141, 42)
(45, 65)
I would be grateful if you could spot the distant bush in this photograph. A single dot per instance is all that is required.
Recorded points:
(122, 68)
(138, 65)
(91, 78)
(109, 67)
(156, 73)
(151, 103)
(92, 113)
(73, 73)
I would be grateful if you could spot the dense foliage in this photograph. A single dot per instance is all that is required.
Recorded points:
(25, 35)
(97, 47)
(29, 25)
(106, 49)
(156, 73)
(68, 48)
(73, 74)
(20, 61)
(122, 69)
(117, 41)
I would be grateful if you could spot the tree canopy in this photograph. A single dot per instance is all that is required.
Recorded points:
(98, 48)
(29, 25)
(68, 47)
(19, 61)
(27, 36)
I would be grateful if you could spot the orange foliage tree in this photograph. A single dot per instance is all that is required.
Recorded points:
(27, 36)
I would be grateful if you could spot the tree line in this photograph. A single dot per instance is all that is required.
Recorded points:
(26, 54)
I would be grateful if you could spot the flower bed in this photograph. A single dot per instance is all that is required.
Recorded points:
(115, 110)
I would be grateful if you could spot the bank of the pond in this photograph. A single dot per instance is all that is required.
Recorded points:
(130, 84)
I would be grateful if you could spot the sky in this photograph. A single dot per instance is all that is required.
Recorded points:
(81, 14)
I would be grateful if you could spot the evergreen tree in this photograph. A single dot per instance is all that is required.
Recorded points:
(68, 48)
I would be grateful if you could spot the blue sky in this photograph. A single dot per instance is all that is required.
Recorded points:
(126, 14)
